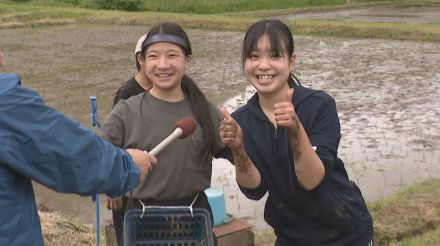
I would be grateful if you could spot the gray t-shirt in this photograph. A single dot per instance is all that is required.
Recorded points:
(142, 122)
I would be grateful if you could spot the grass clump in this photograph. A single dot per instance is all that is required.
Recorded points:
(410, 212)
(58, 229)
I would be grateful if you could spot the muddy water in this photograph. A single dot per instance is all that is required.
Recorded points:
(387, 93)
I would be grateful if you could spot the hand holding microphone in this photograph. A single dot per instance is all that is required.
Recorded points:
(144, 164)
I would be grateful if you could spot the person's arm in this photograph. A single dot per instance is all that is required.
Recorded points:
(231, 135)
(308, 166)
(48, 147)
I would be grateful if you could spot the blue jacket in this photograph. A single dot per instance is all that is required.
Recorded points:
(333, 213)
(39, 143)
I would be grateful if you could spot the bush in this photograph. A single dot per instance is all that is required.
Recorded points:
(104, 4)
(129, 5)
(72, 2)
(125, 5)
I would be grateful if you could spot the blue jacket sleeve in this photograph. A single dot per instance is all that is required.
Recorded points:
(48, 147)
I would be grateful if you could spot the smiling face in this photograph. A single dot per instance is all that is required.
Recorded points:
(165, 65)
(268, 69)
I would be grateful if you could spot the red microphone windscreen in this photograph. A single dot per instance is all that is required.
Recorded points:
(188, 125)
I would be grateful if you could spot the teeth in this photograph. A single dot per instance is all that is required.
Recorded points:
(265, 76)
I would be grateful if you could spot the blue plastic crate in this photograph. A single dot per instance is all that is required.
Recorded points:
(168, 226)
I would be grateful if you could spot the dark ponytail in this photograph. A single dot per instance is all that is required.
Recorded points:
(199, 106)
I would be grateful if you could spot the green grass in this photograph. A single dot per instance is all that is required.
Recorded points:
(30, 12)
(191, 6)
(214, 6)
(223, 6)
(25, 15)
(366, 29)
(409, 213)
(429, 238)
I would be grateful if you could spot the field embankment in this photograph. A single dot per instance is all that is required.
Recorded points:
(29, 14)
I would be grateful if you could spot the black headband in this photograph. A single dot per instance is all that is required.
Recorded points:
(156, 38)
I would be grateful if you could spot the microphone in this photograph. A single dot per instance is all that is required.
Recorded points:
(182, 129)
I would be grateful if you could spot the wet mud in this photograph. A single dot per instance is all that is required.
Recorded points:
(387, 94)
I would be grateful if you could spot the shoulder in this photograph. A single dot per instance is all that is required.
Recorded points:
(132, 101)
(249, 108)
(241, 111)
(120, 95)
(243, 114)
(9, 82)
(127, 90)
(12, 92)
(304, 94)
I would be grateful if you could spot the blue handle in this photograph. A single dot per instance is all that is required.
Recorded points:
(95, 197)
(93, 110)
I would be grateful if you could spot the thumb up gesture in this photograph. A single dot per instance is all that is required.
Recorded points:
(231, 133)
(285, 114)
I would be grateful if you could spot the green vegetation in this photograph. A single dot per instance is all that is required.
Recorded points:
(213, 6)
(365, 29)
(13, 15)
(191, 6)
(411, 212)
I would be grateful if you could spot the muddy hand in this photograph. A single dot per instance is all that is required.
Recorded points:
(231, 134)
(143, 160)
(285, 114)
(114, 203)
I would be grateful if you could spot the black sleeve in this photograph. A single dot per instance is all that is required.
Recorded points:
(120, 94)
(256, 193)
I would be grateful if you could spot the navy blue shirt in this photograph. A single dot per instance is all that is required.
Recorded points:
(333, 213)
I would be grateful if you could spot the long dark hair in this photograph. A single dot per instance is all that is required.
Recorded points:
(280, 37)
(194, 97)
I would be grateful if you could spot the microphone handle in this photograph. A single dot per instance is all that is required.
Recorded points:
(175, 134)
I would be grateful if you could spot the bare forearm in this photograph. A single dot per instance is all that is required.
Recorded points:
(309, 168)
(247, 174)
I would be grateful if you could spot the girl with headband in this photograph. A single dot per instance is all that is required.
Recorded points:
(183, 169)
